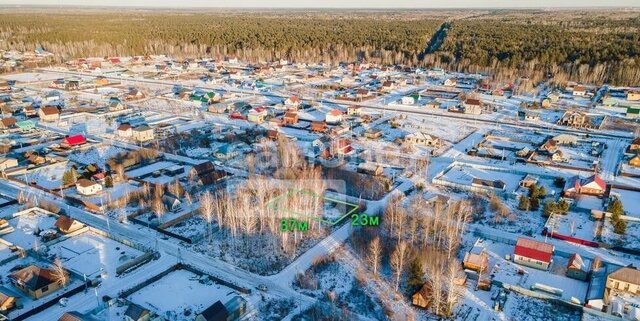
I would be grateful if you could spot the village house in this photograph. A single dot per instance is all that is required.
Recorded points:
(171, 203)
(433, 105)
(559, 157)
(142, 133)
(576, 119)
(529, 180)
(592, 185)
(49, 113)
(292, 101)
(26, 125)
(354, 110)
(116, 105)
(370, 168)
(635, 145)
(476, 259)
(29, 111)
(318, 126)
(36, 282)
(290, 118)
(623, 281)
(408, 100)
(67, 225)
(579, 90)
(533, 253)
(388, 85)
(531, 116)
(341, 146)
(577, 268)
(422, 139)
(450, 82)
(7, 162)
(73, 141)
(472, 106)
(257, 115)
(226, 151)
(566, 139)
(7, 302)
(206, 173)
(373, 133)
(219, 108)
(273, 134)
(52, 96)
(86, 187)
(125, 130)
(7, 123)
(135, 312)
(232, 310)
(494, 185)
(362, 93)
(77, 316)
(134, 94)
(333, 117)
(422, 298)
(635, 161)
(548, 147)
(101, 81)
(633, 95)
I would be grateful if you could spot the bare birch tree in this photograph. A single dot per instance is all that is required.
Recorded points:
(398, 258)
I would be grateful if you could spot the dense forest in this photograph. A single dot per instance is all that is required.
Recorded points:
(251, 36)
(590, 49)
(591, 46)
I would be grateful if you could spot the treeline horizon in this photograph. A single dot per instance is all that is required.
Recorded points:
(589, 46)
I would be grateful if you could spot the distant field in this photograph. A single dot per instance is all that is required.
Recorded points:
(592, 46)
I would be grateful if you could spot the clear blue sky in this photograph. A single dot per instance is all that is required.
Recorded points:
(336, 3)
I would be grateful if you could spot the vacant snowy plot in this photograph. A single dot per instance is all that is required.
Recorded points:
(49, 177)
(180, 291)
(27, 226)
(573, 224)
(145, 170)
(522, 308)
(628, 240)
(630, 201)
(90, 254)
(32, 76)
(95, 155)
(193, 228)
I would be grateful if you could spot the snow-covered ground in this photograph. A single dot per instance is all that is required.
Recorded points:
(181, 291)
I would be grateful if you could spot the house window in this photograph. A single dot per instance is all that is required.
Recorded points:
(45, 289)
(626, 286)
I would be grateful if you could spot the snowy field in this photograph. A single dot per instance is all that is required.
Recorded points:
(180, 291)
(90, 254)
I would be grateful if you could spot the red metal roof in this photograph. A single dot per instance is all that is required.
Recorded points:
(534, 250)
(75, 140)
(597, 180)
